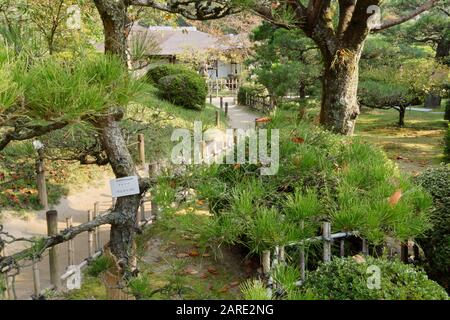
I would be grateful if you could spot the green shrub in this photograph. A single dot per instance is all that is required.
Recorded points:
(290, 105)
(436, 242)
(321, 176)
(99, 265)
(158, 72)
(250, 90)
(447, 110)
(344, 279)
(253, 289)
(447, 145)
(184, 89)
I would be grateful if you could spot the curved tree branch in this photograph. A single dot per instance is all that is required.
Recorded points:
(28, 132)
(391, 23)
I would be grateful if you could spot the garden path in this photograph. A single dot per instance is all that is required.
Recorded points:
(76, 205)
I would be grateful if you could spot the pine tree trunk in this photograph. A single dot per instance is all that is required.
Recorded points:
(340, 106)
(116, 28)
(122, 228)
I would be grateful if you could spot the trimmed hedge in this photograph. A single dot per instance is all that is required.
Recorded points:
(345, 278)
(436, 242)
(250, 90)
(184, 89)
(179, 85)
(158, 72)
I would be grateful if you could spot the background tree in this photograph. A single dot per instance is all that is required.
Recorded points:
(284, 61)
(338, 28)
(431, 30)
(395, 77)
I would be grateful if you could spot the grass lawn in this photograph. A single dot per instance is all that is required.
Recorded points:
(414, 147)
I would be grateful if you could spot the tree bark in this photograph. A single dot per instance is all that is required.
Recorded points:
(443, 50)
(116, 28)
(122, 227)
(340, 106)
(401, 119)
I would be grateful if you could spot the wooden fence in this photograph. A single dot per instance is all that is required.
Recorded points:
(263, 104)
(223, 87)
(271, 259)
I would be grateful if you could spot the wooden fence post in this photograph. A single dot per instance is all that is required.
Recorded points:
(52, 229)
(226, 108)
(9, 288)
(266, 262)
(282, 255)
(210, 99)
(204, 150)
(326, 234)
(217, 118)
(40, 179)
(70, 245)
(90, 236)
(302, 257)
(141, 141)
(153, 171)
(365, 247)
(36, 281)
(217, 88)
(342, 248)
(221, 103)
(97, 229)
(142, 214)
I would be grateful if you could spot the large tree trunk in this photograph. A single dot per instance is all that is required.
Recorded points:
(401, 118)
(122, 227)
(116, 27)
(443, 50)
(340, 106)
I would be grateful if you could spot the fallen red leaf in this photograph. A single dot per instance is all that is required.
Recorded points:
(190, 271)
(263, 120)
(213, 270)
(298, 140)
(395, 198)
(224, 289)
(194, 253)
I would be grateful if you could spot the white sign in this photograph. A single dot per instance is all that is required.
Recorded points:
(124, 186)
